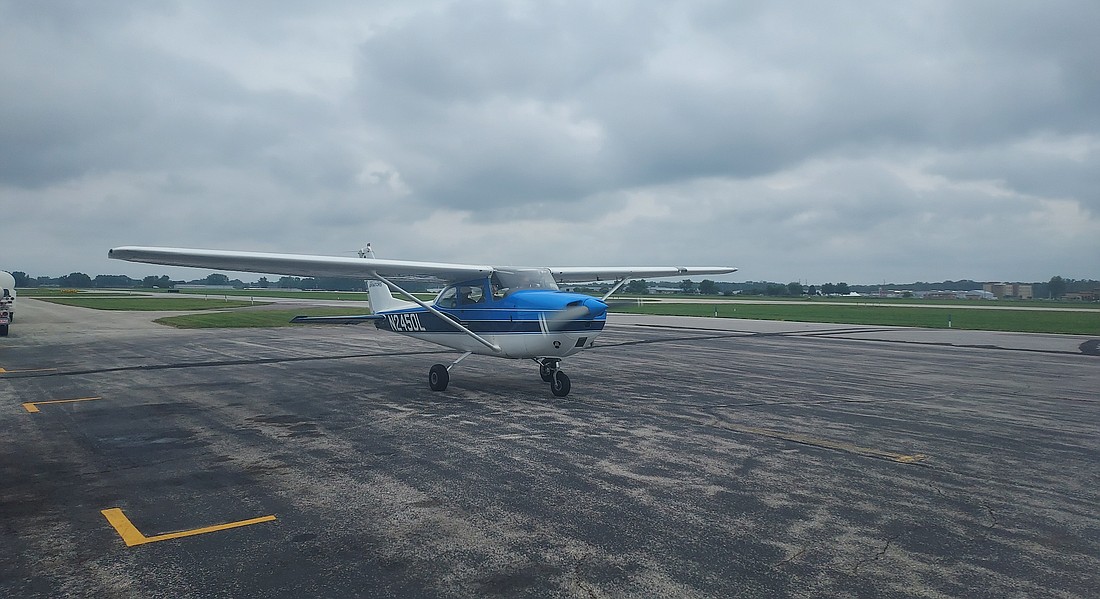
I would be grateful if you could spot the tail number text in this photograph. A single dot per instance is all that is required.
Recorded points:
(406, 323)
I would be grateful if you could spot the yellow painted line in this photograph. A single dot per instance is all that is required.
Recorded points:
(32, 406)
(3, 371)
(132, 536)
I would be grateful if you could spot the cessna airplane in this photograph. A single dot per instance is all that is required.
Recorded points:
(498, 311)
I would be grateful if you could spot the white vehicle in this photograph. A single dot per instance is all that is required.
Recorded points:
(7, 301)
(500, 311)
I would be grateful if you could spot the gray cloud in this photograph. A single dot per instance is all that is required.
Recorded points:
(821, 141)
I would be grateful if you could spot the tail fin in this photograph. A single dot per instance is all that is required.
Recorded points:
(381, 300)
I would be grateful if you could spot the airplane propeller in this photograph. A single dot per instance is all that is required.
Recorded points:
(576, 310)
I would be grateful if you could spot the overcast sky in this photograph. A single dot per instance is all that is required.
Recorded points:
(814, 141)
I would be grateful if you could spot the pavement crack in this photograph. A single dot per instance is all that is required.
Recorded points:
(993, 520)
(783, 562)
(878, 554)
(212, 363)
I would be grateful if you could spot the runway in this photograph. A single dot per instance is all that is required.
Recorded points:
(694, 458)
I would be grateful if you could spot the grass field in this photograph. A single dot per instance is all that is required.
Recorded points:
(250, 318)
(356, 296)
(153, 304)
(904, 314)
(1027, 321)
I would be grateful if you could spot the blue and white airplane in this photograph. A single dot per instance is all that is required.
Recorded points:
(507, 312)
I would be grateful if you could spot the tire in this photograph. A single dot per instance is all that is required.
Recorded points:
(3, 330)
(438, 377)
(560, 385)
(546, 373)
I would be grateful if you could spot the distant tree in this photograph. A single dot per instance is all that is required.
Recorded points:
(794, 288)
(687, 286)
(1056, 287)
(637, 287)
(76, 280)
(290, 283)
(216, 279)
(263, 283)
(708, 287)
(775, 289)
(842, 289)
(828, 289)
(161, 282)
(22, 280)
(113, 281)
(812, 290)
(907, 294)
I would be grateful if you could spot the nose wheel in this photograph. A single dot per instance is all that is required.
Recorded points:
(551, 373)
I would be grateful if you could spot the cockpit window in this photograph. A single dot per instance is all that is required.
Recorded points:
(469, 294)
(465, 294)
(447, 299)
(507, 281)
(501, 283)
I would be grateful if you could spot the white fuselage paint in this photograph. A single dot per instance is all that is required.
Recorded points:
(513, 345)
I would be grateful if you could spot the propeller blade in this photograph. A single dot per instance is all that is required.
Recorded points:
(578, 310)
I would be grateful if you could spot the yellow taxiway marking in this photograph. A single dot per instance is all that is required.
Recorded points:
(132, 536)
(32, 406)
(4, 371)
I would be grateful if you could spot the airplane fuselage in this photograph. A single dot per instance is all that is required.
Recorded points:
(523, 324)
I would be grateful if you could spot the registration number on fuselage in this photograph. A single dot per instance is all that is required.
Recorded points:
(405, 323)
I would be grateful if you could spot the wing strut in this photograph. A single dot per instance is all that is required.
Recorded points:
(617, 286)
(444, 317)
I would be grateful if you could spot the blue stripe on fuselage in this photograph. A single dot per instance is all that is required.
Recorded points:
(519, 312)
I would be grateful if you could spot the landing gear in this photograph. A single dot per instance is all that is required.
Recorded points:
(560, 385)
(546, 372)
(551, 373)
(438, 377)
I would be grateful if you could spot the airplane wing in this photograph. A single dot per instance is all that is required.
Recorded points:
(583, 274)
(301, 265)
(296, 265)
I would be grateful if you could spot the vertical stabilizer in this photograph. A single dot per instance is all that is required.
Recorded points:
(381, 300)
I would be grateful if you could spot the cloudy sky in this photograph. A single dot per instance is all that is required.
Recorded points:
(813, 141)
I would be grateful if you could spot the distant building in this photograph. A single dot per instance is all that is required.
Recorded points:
(1083, 296)
(1009, 290)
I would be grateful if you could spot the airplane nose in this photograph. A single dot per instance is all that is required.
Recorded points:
(596, 308)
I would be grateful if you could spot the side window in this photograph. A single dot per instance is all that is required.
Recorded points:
(447, 298)
(469, 294)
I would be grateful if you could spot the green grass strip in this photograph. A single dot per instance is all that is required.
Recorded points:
(252, 318)
(1025, 321)
(153, 304)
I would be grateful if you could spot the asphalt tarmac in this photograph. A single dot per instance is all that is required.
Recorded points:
(694, 457)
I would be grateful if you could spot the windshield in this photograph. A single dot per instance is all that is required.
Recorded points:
(507, 281)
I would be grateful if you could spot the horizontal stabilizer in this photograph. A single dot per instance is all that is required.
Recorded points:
(335, 319)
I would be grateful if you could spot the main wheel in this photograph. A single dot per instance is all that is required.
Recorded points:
(438, 377)
(560, 385)
(546, 373)
(3, 330)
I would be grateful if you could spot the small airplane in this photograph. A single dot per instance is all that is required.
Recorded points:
(507, 312)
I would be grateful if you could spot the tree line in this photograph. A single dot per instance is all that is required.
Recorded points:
(79, 280)
(1056, 287)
